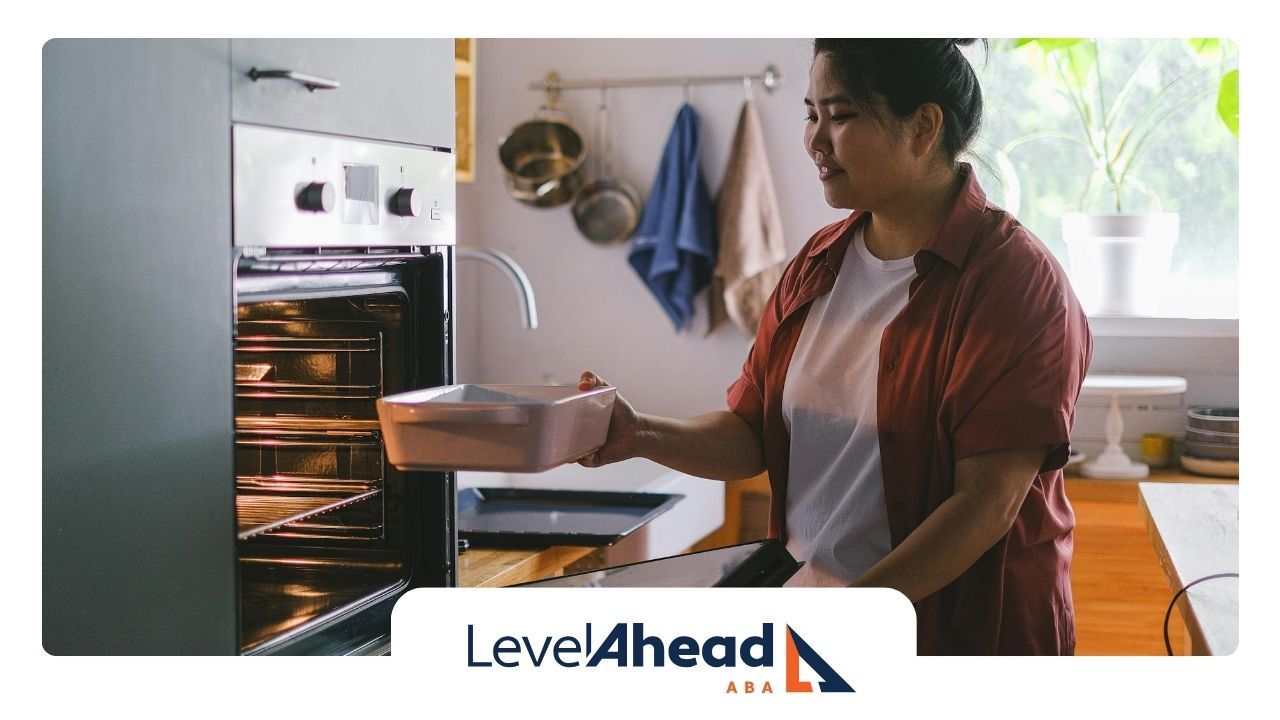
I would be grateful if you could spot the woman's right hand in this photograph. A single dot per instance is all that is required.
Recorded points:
(623, 439)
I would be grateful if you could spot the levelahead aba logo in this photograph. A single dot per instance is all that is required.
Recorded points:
(652, 652)
(629, 645)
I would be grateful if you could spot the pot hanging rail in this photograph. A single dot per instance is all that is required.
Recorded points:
(543, 158)
(770, 80)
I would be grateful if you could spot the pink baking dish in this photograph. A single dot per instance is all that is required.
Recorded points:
(508, 428)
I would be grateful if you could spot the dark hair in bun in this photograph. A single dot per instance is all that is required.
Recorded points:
(908, 73)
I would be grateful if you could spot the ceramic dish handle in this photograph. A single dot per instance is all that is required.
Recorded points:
(442, 413)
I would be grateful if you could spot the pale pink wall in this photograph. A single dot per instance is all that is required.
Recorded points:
(596, 313)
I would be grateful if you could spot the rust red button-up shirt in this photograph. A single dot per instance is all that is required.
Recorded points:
(988, 354)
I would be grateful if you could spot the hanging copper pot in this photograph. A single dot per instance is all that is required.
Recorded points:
(542, 159)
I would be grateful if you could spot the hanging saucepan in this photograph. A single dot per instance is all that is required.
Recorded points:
(542, 158)
(606, 210)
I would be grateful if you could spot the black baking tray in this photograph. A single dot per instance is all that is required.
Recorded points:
(513, 517)
(762, 563)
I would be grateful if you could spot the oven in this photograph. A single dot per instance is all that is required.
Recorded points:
(343, 292)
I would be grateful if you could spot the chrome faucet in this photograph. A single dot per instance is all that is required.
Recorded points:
(506, 264)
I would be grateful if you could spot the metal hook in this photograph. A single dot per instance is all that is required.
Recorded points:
(772, 79)
(551, 85)
(747, 93)
(685, 82)
(606, 134)
(602, 132)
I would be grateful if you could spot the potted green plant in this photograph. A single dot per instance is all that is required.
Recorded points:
(1120, 257)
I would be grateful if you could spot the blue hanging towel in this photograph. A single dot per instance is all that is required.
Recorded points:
(674, 250)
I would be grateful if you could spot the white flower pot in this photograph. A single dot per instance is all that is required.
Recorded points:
(1120, 261)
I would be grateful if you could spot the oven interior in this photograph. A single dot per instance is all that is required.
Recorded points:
(322, 518)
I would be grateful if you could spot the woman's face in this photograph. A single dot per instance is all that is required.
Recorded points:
(861, 161)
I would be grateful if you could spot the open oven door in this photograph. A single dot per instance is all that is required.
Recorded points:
(329, 533)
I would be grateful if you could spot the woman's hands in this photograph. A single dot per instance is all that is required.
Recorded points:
(625, 428)
(717, 445)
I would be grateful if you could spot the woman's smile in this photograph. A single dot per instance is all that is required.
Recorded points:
(827, 169)
(827, 172)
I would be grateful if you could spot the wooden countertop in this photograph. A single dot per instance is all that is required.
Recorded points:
(1195, 530)
(494, 567)
(1083, 488)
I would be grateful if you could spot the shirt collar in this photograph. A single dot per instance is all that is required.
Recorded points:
(951, 242)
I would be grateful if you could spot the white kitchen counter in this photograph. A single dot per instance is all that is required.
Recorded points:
(1196, 531)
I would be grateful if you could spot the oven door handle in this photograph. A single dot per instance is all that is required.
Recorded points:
(310, 82)
(457, 414)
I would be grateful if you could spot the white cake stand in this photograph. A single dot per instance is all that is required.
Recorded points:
(1113, 463)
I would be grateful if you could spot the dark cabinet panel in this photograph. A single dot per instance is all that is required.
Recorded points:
(398, 90)
(138, 483)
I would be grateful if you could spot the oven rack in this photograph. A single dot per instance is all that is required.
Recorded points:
(278, 485)
(275, 425)
(257, 380)
(371, 394)
(282, 343)
(306, 530)
(257, 514)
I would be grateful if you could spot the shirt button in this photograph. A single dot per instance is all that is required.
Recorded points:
(888, 366)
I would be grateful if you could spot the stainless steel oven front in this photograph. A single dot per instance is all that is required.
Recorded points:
(344, 292)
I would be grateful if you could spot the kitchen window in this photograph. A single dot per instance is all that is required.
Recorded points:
(1033, 156)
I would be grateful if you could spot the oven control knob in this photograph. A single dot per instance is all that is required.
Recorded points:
(406, 203)
(317, 197)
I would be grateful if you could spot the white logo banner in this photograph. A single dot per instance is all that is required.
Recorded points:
(638, 650)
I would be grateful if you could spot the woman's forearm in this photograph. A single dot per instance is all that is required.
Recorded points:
(717, 445)
(946, 544)
(989, 490)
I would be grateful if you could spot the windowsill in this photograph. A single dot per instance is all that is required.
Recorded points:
(1141, 327)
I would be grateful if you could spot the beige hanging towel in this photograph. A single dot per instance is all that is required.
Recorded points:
(752, 255)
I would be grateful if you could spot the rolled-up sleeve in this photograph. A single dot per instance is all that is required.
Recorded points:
(1022, 356)
(744, 398)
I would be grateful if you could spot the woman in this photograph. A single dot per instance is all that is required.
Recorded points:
(913, 380)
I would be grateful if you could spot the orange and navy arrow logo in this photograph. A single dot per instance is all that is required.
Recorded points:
(797, 650)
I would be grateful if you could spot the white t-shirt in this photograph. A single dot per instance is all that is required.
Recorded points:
(836, 517)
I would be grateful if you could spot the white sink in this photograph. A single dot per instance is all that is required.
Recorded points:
(688, 521)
